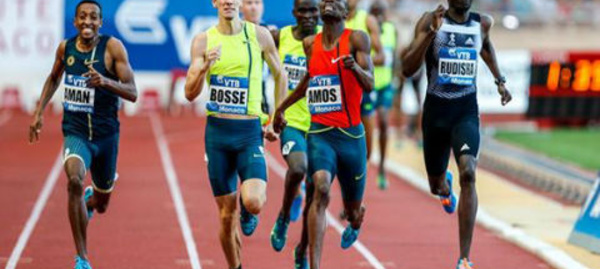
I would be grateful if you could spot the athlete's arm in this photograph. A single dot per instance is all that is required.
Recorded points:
(298, 93)
(488, 54)
(50, 86)
(425, 32)
(275, 35)
(375, 34)
(199, 66)
(362, 67)
(125, 87)
(271, 56)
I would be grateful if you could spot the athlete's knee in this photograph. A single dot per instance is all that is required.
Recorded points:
(467, 169)
(227, 217)
(297, 171)
(322, 193)
(75, 185)
(253, 204)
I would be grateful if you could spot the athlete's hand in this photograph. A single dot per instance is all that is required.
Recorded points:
(36, 128)
(211, 57)
(505, 95)
(438, 18)
(349, 62)
(278, 122)
(95, 79)
(270, 133)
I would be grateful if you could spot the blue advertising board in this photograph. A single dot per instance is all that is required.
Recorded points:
(158, 33)
(586, 232)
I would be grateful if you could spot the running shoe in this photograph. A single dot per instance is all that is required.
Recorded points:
(87, 195)
(301, 262)
(279, 233)
(296, 209)
(449, 202)
(349, 236)
(382, 182)
(82, 263)
(464, 264)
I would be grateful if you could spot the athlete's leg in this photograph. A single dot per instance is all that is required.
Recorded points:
(368, 122)
(75, 170)
(316, 217)
(78, 157)
(467, 206)
(465, 144)
(298, 165)
(303, 244)
(104, 175)
(228, 232)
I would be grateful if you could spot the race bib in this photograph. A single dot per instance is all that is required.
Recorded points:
(78, 97)
(324, 94)
(457, 66)
(296, 69)
(228, 95)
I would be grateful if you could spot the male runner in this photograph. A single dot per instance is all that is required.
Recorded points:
(98, 74)
(361, 20)
(339, 70)
(383, 81)
(450, 41)
(228, 57)
(293, 137)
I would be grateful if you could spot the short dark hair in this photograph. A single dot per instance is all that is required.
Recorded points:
(88, 2)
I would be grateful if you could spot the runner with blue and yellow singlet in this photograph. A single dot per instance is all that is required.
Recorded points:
(228, 57)
(384, 76)
(293, 138)
(97, 76)
(361, 20)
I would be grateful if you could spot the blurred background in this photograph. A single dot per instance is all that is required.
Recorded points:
(546, 141)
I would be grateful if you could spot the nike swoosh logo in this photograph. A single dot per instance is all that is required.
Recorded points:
(258, 155)
(88, 62)
(357, 178)
(333, 61)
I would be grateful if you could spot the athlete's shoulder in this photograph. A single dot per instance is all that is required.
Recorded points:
(486, 20)
(307, 43)
(360, 40)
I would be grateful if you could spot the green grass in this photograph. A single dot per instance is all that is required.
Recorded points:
(577, 146)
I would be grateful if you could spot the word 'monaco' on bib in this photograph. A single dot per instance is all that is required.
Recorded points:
(324, 94)
(228, 95)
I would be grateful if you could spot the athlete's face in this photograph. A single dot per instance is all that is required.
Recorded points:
(88, 21)
(228, 9)
(460, 5)
(306, 13)
(378, 10)
(333, 10)
(253, 10)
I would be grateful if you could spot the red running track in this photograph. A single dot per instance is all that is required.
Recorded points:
(404, 228)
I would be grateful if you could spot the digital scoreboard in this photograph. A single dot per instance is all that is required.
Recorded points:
(565, 85)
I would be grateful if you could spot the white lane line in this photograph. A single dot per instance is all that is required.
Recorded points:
(280, 170)
(171, 176)
(39, 206)
(552, 255)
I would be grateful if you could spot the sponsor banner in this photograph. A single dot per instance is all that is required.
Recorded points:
(30, 31)
(515, 65)
(158, 33)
